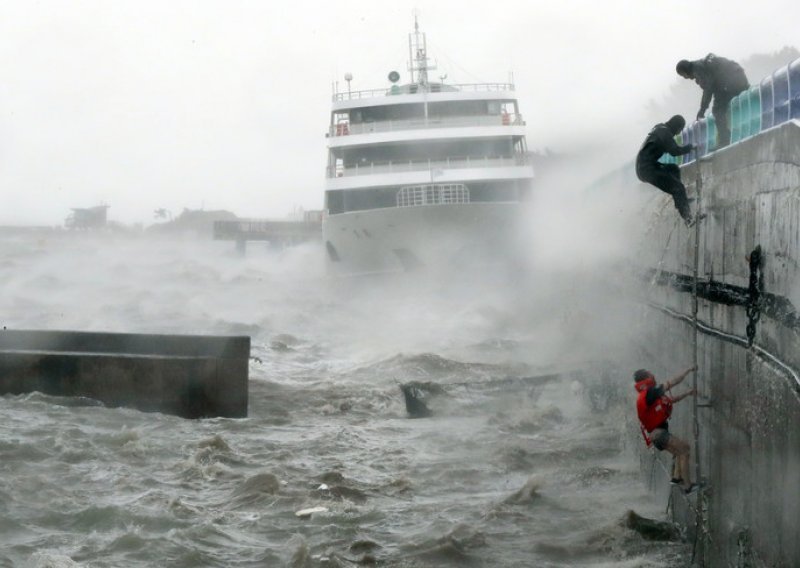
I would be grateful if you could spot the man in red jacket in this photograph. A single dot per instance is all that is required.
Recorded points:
(654, 407)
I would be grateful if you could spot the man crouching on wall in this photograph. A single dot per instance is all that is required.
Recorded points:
(654, 408)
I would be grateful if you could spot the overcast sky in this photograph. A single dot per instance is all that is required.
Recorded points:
(224, 104)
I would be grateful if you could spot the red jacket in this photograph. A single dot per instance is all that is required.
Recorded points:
(654, 415)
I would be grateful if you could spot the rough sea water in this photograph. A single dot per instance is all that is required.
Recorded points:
(525, 460)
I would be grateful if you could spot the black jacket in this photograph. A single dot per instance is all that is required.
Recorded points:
(718, 77)
(659, 141)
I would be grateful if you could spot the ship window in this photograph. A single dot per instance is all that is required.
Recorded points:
(458, 108)
(392, 112)
(424, 151)
(433, 194)
(365, 199)
(334, 202)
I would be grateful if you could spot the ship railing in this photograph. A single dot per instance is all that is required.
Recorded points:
(436, 167)
(464, 87)
(349, 128)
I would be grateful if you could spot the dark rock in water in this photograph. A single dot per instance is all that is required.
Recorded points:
(651, 529)
(415, 407)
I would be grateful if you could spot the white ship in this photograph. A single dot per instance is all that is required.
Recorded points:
(424, 174)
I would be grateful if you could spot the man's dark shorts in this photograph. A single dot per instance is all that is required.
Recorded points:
(660, 438)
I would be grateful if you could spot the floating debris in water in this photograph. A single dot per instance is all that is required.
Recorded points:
(306, 513)
(413, 396)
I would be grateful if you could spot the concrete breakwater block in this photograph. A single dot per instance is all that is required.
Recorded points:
(192, 376)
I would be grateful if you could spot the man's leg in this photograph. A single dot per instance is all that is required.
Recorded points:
(682, 202)
(678, 191)
(668, 179)
(681, 450)
(721, 111)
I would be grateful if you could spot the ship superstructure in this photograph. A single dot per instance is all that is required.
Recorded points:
(423, 173)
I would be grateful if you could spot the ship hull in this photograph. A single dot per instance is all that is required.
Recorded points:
(432, 238)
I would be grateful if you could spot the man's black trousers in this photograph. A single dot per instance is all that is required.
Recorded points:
(667, 178)
(721, 109)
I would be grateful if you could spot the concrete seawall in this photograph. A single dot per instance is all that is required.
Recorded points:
(190, 376)
(749, 434)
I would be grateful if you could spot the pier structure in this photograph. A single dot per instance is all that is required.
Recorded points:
(277, 233)
(192, 376)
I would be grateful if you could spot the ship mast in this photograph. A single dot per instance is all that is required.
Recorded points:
(418, 57)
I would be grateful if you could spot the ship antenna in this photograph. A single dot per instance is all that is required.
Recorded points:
(418, 55)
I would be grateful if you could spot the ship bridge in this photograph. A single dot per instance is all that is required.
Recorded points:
(464, 133)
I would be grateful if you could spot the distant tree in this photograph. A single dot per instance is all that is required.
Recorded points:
(684, 96)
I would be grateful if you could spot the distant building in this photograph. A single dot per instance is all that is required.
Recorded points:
(88, 218)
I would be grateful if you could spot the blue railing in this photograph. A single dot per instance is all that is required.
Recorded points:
(775, 100)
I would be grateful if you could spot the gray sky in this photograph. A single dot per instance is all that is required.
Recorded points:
(145, 104)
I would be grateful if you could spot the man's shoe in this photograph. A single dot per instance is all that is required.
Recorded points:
(676, 481)
(691, 489)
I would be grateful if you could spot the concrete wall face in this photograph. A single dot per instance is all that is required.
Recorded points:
(749, 438)
(190, 376)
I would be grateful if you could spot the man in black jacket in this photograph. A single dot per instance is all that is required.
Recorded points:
(721, 79)
(666, 177)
